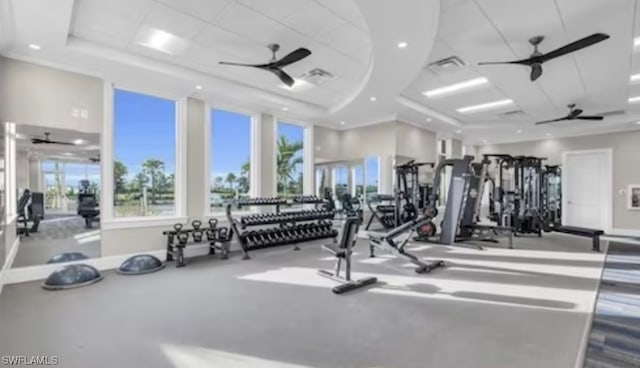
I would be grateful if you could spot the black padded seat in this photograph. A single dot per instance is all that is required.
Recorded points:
(594, 234)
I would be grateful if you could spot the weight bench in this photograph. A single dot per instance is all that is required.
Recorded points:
(342, 251)
(582, 231)
(389, 243)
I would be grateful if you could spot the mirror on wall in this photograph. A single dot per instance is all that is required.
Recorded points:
(3, 215)
(58, 182)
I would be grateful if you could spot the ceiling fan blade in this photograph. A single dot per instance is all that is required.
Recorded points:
(62, 143)
(536, 72)
(248, 65)
(590, 117)
(552, 121)
(522, 62)
(292, 57)
(284, 77)
(575, 46)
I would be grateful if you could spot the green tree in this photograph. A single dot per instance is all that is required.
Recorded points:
(244, 179)
(119, 176)
(231, 178)
(153, 169)
(218, 183)
(139, 182)
(287, 162)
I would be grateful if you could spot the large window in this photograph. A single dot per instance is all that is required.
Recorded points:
(230, 157)
(62, 183)
(144, 141)
(289, 149)
(321, 181)
(372, 165)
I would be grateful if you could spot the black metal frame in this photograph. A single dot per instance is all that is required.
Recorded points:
(388, 242)
(342, 251)
(175, 251)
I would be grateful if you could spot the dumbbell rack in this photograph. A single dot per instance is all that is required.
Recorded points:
(219, 239)
(292, 225)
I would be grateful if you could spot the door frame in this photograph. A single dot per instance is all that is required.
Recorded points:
(606, 181)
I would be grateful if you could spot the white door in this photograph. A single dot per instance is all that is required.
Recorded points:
(585, 191)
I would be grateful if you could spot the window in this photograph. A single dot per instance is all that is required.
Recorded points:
(372, 174)
(289, 148)
(144, 151)
(230, 158)
(340, 181)
(321, 181)
(62, 183)
(53, 173)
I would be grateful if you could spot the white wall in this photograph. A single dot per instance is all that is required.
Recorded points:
(22, 172)
(38, 95)
(626, 164)
(416, 143)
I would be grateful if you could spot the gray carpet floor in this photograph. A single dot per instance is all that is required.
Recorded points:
(496, 308)
(58, 234)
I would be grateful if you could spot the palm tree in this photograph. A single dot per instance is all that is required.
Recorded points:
(287, 161)
(231, 178)
(119, 176)
(218, 183)
(153, 168)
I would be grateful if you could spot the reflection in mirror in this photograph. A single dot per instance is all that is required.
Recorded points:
(3, 248)
(58, 181)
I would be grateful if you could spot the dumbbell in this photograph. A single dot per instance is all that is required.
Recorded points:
(251, 238)
(197, 232)
(223, 234)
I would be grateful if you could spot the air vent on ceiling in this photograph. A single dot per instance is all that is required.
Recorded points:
(317, 76)
(510, 114)
(446, 65)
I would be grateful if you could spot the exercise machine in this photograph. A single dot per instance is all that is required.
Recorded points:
(30, 210)
(88, 206)
(342, 251)
(395, 241)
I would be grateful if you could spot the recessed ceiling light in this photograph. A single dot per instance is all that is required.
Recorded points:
(160, 40)
(456, 87)
(519, 131)
(80, 141)
(20, 136)
(482, 107)
(68, 154)
(373, 99)
(33, 46)
(198, 87)
(638, 122)
(548, 134)
(342, 123)
(634, 99)
(635, 77)
(459, 131)
(429, 119)
(485, 141)
(299, 85)
(285, 109)
(402, 45)
(636, 41)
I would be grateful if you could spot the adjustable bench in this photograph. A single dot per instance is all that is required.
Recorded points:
(581, 231)
(342, 251)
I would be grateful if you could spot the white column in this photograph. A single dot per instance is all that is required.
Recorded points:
(385, 174)
(255, 186)
(308, 158)
(351, 180)
(106, 154)
(269, 187)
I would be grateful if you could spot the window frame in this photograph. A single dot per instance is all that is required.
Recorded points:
(108, 220)
(254, 156)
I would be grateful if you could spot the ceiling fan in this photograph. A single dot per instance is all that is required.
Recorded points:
(536, 59)
(275, 66)
(574, 114)
(47, 140)
(95, 159)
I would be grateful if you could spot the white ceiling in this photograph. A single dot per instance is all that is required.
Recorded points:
(89, 147)
(356, 41)
(595, 78)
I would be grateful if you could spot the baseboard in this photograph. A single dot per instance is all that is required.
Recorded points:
(33, 273)
(625, 232)
(9, 261)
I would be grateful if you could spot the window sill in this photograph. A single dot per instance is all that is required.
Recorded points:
(141, 222)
